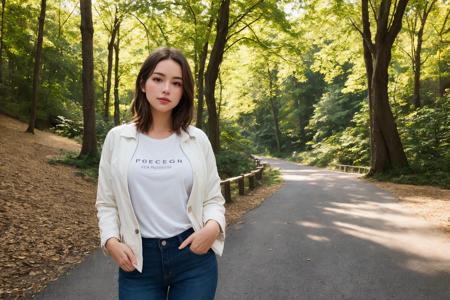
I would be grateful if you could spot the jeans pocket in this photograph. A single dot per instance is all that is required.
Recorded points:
(134, 272)
(192, 252)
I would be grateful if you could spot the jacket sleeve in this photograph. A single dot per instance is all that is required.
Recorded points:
(107, 213)
(213, 205)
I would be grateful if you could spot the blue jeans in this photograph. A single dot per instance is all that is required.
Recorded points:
(170, 273)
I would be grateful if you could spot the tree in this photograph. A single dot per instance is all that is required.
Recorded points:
(113, 32)
(212, 73)
(387, 149)
(116, 78)
(1, 42)
(89, 146)
(37, 67)
(201, 71)
(421, 10)
(272, 78)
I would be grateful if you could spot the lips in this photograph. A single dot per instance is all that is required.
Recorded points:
(163, 100)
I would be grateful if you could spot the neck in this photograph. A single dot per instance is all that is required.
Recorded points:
(162, 122)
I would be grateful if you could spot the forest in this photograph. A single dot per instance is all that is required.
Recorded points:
(321, 82)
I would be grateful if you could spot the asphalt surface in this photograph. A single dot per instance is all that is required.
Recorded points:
(323, 235)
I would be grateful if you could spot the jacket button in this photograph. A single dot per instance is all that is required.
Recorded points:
(136, 231)
(190, 209)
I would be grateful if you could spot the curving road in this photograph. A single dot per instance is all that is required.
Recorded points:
(323, 235)
(330, 235)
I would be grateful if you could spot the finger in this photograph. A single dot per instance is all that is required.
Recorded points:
(124, 262)
(130, 256)
(186, 242)
(127, 269)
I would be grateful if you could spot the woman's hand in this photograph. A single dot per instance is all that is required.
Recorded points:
(121, 254)
(202, 240)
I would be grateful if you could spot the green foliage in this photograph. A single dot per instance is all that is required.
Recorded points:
(426, 136)
(354, 140)
(235, 156)
(322, 153)
(88, 167)
(271, 176)
(349, 146)
(68, 128)
(332, 113)
(316, 87)
(417, 177)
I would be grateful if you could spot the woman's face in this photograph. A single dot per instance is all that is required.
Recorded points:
(164, 88)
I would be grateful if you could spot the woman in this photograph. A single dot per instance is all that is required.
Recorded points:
(159, 203)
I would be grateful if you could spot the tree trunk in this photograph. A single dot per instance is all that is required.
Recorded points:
(200, 85)
(221, 104)
(274, 111)
(201, 72)
(443, 83)
(417, 61)
(89, 147)
(417, 65)
(368, 61)
(116, 79)
(387, 149)
(1, 44)
(212, 73)
(37, 67)
(109, 67)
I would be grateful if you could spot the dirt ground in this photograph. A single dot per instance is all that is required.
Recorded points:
(48, 221)
(429, 202)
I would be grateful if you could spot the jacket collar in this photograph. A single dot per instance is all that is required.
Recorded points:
(130, 131)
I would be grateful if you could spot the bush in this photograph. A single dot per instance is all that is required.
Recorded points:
(235, 155)
(68, 128)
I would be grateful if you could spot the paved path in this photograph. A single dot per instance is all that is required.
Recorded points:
(323, 235)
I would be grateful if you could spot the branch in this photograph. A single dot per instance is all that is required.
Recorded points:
(392, 19)
(426, 58)
(368, 42)
(397, 23)
(246, 25)
(235, 42)
(104, 24)
(68, 17)
(367, 35)
(373, 11)
(244, 14)
(406, 52)
(383, 17)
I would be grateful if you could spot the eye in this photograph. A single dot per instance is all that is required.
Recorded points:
(157, 79)
(178, 83)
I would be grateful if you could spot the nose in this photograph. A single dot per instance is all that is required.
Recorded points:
(166, 87)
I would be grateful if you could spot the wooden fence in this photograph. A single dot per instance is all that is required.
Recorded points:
(351, 169)
(253, 178)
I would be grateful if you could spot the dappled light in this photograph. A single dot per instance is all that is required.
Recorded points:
(318, 238)
(378, 219)
(434, 257)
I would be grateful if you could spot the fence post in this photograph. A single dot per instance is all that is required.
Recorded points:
(241, 184)
(259, 173)
(258, 162)
(227, 187)
(251, 181)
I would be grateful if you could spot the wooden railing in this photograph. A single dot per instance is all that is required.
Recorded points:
(351, 169)
(253, 178)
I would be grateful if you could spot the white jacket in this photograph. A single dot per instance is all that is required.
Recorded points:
(114, 209)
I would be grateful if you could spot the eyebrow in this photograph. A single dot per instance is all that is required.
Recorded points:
(161, 74)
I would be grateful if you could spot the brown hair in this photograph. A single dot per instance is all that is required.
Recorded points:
(183, 112)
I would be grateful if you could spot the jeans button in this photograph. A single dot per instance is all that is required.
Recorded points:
(163, 243)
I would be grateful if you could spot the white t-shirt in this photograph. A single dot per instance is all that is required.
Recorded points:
(160, 181)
